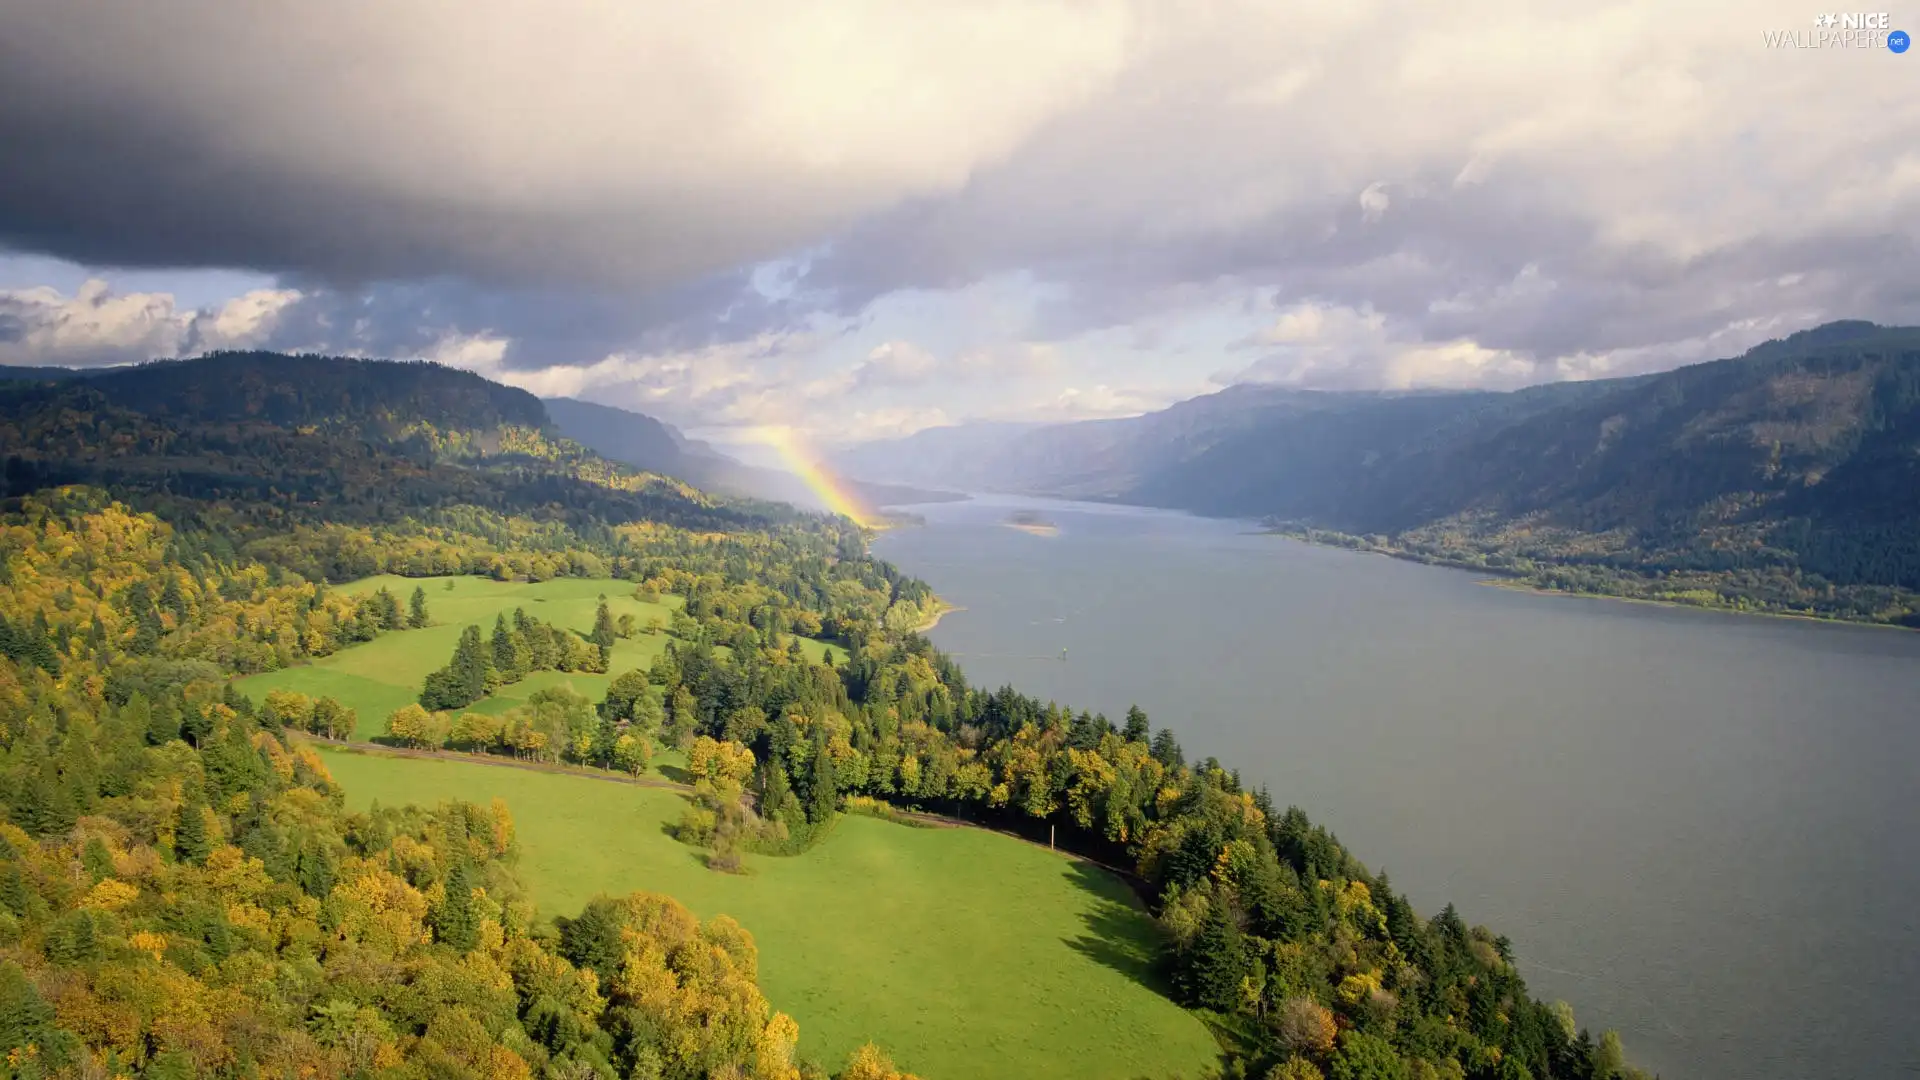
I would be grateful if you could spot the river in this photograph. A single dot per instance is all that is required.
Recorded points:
(1698, 828)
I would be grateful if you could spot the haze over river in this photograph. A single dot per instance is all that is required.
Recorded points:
(1698, 828)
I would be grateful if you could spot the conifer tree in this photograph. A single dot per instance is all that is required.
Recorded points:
(190, 842)
(603, 634)
(455, 922)
(509, 651)
(417, 608)
(1219, 960)
(823, 793)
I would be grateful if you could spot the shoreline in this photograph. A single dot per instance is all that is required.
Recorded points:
(1517, 585)
(1495, 579)
(1033, 530)
(944, 610)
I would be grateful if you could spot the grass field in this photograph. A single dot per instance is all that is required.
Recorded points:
(969, 955)
(385, 674)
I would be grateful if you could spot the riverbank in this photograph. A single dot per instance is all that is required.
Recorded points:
(1700, 597)
(939, 613)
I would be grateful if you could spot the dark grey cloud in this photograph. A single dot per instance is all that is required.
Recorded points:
(565, 144)
(543, 326)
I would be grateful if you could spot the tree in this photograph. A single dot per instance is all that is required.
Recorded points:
(631, 753)
(27, 1020)
(1609, 1059)
(48, 808)
(332, 719)
(190, 842)
(823, 792)
(872, 1063)
(604, 634)
(626, 689)
(455, 922)
(1218, 961)
(417, 608)
(1366, 1057)
(465, 678)
(1137, 729)
(414, 726)
(1166, 749)
(386, 610)
(510, 657)
(683, 717)
(1304, 1026)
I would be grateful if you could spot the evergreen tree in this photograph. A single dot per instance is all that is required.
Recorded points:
(823, 793)
(1166, 749)
(603, 634)
(190, 841)
(1137, 729)
(1218, 960)
(164, 725)
(464, 680)
(455, 922)
(386, 610)
(96, 860)
(314, 869)
(509, 652)
(48, 808)
(417, 608)
(80, 769)
(27, 1020)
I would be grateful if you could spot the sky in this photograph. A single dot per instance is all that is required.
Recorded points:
(860, 218)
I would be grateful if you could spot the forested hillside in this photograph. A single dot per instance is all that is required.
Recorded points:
(284, 441)
(182, 894)
(1782, 480)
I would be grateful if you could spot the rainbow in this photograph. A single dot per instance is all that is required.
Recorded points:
(803, 462)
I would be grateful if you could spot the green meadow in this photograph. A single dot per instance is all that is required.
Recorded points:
(380, 676)
(968, 955)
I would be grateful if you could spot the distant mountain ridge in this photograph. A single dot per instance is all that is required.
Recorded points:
(1794, 468)
(646, 442)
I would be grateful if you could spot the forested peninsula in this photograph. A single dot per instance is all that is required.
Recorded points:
(186, 890)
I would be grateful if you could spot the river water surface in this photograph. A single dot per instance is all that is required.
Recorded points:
(1700, 829)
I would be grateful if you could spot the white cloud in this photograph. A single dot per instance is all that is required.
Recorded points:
(885, 423)
(895, 363)
(482, 353)
(1102, 402)
(1374, 202)
(96, 326)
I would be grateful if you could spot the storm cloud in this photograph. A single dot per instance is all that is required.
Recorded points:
(854, 205)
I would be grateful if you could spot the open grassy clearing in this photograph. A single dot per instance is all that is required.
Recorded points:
(385, 674)
(971, 956)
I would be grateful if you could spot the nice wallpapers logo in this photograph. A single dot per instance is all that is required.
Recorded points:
(1843, 30)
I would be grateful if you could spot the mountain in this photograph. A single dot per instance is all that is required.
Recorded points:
(1772, 478)
(269, 438)
(634, 438)
(647, 443)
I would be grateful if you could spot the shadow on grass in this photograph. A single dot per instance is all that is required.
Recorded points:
(676, 774)
(1122, 936)
(1119, 935)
